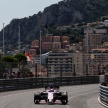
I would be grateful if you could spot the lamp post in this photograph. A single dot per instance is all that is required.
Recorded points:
(19, 40)
(3, 39)
(92, 58)
(87, 43)
(87, 53)
(40, 53)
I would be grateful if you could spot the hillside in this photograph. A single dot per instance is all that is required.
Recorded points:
(66, 12)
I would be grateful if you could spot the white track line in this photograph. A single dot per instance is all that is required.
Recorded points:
(80, 95)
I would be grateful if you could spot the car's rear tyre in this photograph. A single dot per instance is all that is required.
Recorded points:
(36, 101)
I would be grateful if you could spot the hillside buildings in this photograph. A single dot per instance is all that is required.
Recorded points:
(64, 63)
(83, 58)
(94, 45)
(49, 43)
(93, 39)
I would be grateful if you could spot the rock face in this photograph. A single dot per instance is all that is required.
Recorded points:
(66, 12)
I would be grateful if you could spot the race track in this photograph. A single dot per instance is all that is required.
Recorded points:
(80, 96)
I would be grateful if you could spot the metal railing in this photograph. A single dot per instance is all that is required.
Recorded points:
(23, 70)
(30, 83)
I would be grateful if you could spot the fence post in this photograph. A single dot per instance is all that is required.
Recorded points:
(10, 70)
(47, 70)
(87, 72)
(35, 70)
(87, 69)
(81, 79)
(60, 70)
(61, 73)
(99, 69)
(74, 74)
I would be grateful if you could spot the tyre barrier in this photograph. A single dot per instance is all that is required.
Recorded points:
(103, 99)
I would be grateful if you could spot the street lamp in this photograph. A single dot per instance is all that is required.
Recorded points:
(40, 52)
(19, 40)
(92, 58)
(3, 39)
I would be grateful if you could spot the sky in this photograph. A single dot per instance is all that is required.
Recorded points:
(11, 9)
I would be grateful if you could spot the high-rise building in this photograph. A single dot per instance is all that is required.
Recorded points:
(64, 44)
(56, 39)
(56, 46)
(35, 44)
(65, 63)
(95, 64)
(64, 38)
(47, 39)
(32, 52)
(54, 43)
(93, 39)
(46, 47)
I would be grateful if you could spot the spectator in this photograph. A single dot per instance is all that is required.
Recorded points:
(4, 75)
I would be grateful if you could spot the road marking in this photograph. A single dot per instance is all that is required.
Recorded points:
(17, 94)
(70, 87)
(62, 87)
(81, 95)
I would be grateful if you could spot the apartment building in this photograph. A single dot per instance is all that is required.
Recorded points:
(93, 44)
(47, 38)
(56, 39)
(35, 43)
(65, 38)
(32, 52)
(64, 44)
(64, 63)
(46, 47)
(95, 31)
(54, 43)
(100, 58)
(56, 46)
(93, 39)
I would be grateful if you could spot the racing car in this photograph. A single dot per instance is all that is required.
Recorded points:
(50, 95)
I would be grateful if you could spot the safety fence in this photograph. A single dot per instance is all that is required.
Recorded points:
(25, 70)
(30, 83)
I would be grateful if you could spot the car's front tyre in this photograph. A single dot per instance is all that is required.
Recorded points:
(36, 98)
(64, 102)
(64, 98)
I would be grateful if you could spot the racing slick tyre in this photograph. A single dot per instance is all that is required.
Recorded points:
(64, 99)
(36, 101)
(36, 98)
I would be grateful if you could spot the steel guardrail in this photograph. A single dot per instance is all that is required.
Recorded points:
(30, 83)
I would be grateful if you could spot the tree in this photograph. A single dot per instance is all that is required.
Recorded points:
(8, 58)
(21, 57)
(7, 63)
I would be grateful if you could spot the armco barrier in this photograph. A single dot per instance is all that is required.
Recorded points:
(29, 83)
(104, 94)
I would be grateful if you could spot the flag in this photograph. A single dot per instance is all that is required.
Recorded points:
(29, 58)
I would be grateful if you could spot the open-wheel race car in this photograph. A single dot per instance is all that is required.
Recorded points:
(50, 95)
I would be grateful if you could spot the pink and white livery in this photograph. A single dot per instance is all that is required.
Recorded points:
(51, 95)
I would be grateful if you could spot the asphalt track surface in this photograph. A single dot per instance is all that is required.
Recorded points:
(80, 96)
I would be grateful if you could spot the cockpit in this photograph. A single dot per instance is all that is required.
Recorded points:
(51, 90)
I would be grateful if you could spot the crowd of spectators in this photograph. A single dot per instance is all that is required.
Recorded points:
(18, 74)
